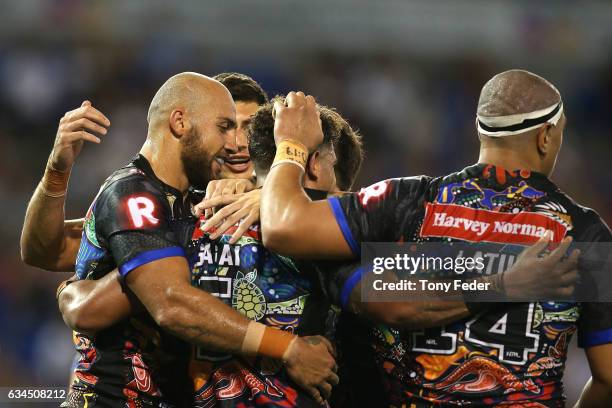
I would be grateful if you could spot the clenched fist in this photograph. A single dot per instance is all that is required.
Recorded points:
(310, 363)
(298, 119)
(76, 127)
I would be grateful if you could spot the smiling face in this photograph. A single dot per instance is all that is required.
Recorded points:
(238, 164)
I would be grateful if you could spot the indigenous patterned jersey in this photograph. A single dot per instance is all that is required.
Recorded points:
(135, 219)
(265, 287)
(510, 355)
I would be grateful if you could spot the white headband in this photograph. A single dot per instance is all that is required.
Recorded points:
(498, 126)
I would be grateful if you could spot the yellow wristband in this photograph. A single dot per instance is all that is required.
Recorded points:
(291, 150)
(280, 162)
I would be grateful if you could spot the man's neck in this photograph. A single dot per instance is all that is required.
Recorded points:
(167, 166)
(507, 159)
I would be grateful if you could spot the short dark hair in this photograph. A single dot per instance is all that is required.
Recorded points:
(337, 133)
(242, 87)
(348, 147)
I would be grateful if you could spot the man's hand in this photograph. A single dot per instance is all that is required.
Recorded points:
(243, 208)
(298, 119)
(74, 129)
(549, 277)
(46, 240)
(218, 189)
(310, 363)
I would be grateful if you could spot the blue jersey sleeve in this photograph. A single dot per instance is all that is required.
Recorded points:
(380, 212)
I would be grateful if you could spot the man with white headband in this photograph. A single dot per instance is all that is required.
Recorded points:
(498, 126)
(512, 354)
(508, 125)
(520, 116)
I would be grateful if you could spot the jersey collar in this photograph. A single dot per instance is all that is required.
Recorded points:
(502, 176)
(141, 163)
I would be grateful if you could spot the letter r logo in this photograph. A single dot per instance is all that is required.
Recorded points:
(372, 192)
(141, 208)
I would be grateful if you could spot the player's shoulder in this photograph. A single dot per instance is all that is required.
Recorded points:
(392, 192)
(127, 181)
(130, 178)
(589, 225)
(399, 187)
(131, 192)
(413, 181)
(596, 229)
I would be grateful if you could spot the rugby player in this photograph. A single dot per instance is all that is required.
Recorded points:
(248, 96)
(139, 222)
(284, 292)
(237, 174)
(287, 291)
(45, 245)
(510, 355)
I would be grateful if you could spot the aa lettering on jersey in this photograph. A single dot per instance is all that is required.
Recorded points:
(219, 255)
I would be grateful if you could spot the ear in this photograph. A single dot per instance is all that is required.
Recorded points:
(543, 139)
(313, 166)
(178, 123)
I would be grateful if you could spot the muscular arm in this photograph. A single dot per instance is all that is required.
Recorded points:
(424, 310)
(291, 223)
(598, 391)
(47, 241)
(411, 315)
(437, 308)
(89, 306)
(164, 289)
(595, 322)
(288, 219)
(163, 286)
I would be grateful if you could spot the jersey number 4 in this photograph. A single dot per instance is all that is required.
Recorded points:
(509, 331)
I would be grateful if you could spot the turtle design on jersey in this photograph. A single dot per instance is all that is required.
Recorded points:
(247, 297)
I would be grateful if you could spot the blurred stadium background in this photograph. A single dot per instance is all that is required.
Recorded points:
(406, 73)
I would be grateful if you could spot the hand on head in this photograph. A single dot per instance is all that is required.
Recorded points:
(298, 119)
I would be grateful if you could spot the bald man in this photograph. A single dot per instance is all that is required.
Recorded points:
(511, 354)
(140, 223)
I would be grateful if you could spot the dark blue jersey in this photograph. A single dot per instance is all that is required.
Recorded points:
(135, 219)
